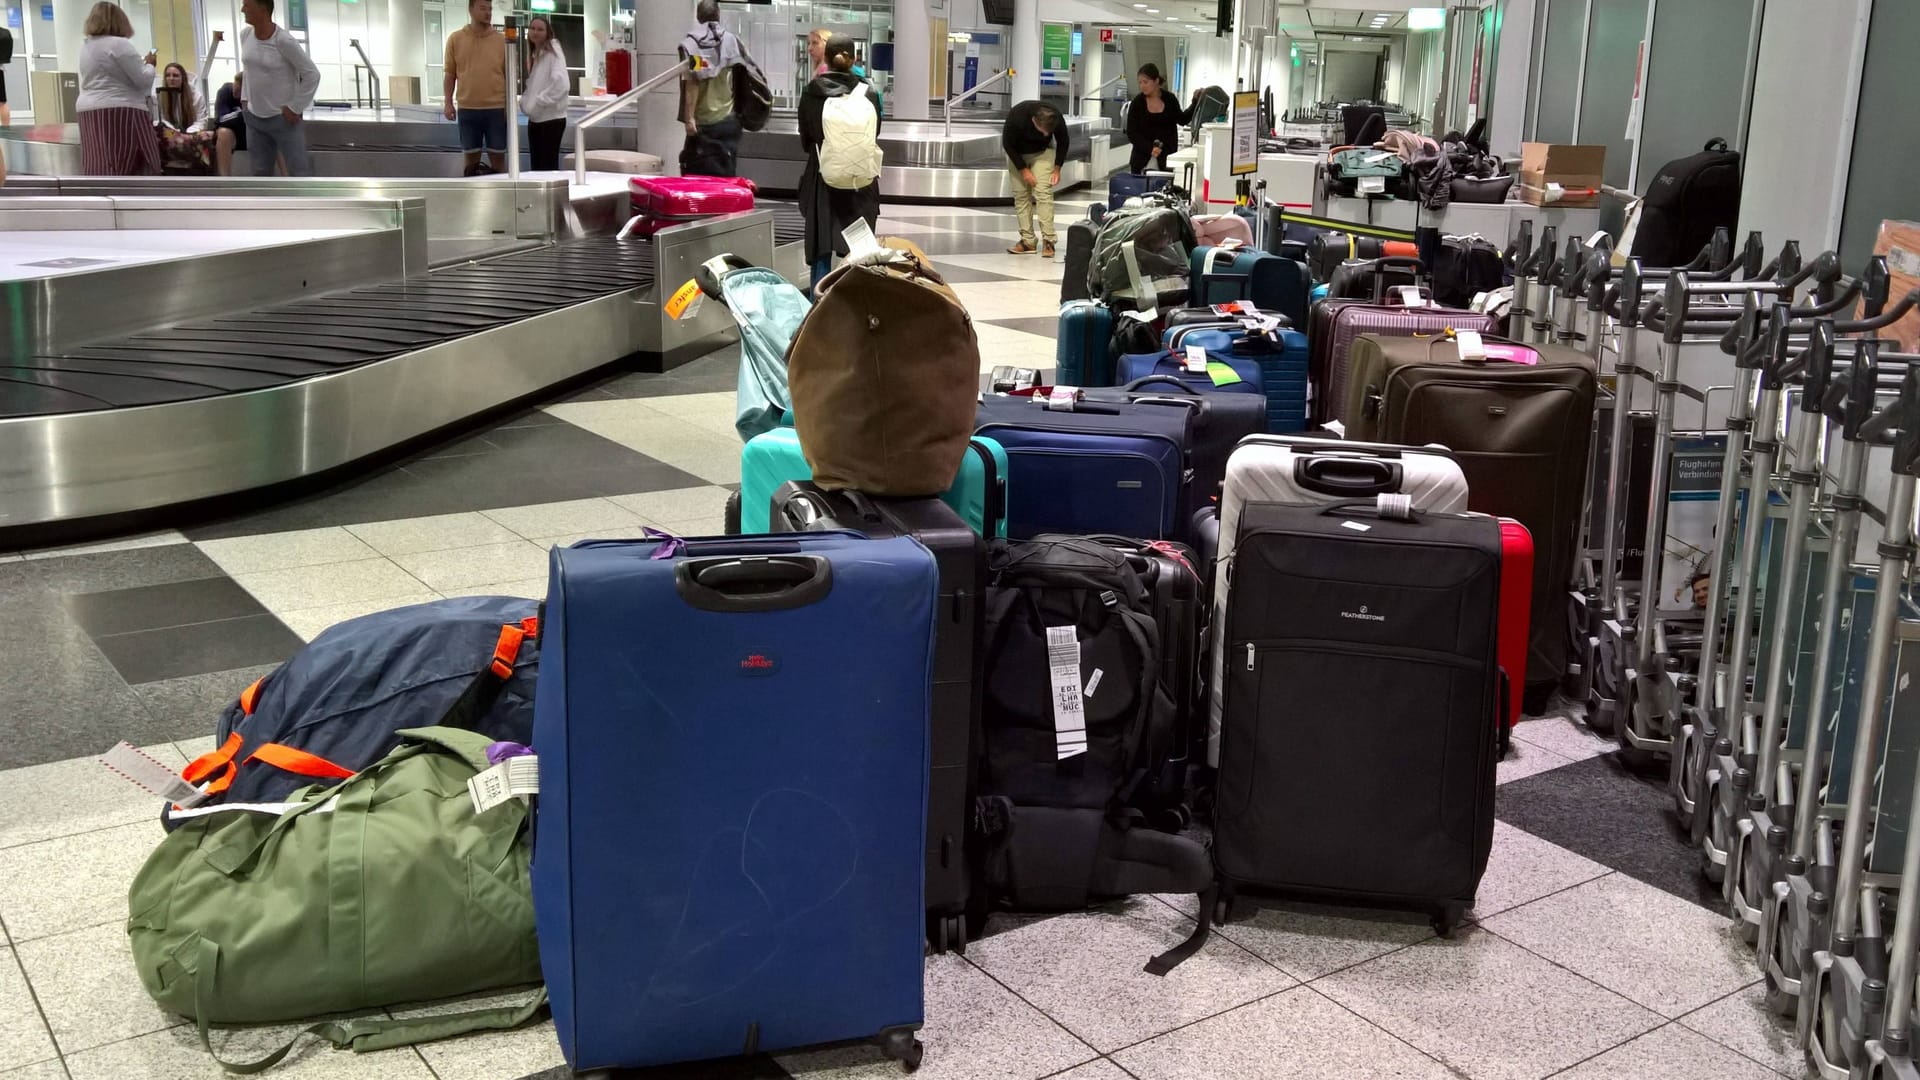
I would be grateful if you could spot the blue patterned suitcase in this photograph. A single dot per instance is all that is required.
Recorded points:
(728, 844)
(1269, 282)
(1282, 359)
(1083, 347)
(1103, 468)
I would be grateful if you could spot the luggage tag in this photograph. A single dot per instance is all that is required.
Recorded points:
(1471, 348)
(150, 775)
(511, 779)
(686, 301)
(1060, 398)
(1221, 374)
(1410, 295)
(1371, 185)
(1069, 710)
(860, 239)
(1196, 360)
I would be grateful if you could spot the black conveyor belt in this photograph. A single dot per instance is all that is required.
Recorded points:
(321, 334)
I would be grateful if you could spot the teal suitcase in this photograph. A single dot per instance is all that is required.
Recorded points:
(978, 495)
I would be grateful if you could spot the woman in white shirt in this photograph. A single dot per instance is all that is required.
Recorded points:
(545, 98)
(116, 92)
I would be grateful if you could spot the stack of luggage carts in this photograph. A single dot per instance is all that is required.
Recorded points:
(1095, 635)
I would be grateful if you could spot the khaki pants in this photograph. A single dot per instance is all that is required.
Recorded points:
(1026, 199)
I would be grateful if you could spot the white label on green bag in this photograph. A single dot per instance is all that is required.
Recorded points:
(149, 774)
(511, 779)
(1069, 716)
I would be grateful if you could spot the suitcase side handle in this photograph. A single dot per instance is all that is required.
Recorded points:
(753, 582)
(1348, 477)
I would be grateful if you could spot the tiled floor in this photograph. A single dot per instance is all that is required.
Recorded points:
(1595, 953)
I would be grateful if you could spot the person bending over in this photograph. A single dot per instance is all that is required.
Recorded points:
(1035, 140)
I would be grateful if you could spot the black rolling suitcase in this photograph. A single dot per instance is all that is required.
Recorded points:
(799, 506)
(1357, 736)
(1075, 259)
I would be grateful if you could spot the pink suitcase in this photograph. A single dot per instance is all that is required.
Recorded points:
(661, 201)
(1217, 229)
(1335, 323)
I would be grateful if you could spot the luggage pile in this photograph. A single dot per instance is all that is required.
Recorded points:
(968, 653)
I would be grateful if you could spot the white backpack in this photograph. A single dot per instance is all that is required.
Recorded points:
(850, 151)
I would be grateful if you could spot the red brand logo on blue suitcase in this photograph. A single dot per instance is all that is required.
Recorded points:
(758, 663)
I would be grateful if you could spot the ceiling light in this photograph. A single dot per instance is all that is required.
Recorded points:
(1426, 18)
(1173, 18)
(1142, 7)
(1153, 11)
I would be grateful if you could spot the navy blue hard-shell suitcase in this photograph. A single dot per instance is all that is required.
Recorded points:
(1106, 467)
(1251, 380)
(732, 736)
(1082, 353)
(1123, 186)
(1282, 359)
(1269, 282)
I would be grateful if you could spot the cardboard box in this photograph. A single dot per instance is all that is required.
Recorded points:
(1900, 242)
(1577, 169)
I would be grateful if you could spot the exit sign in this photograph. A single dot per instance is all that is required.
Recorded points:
(1106, 35)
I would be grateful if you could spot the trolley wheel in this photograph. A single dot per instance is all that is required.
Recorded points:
(1779, 1001)
(1715, 872)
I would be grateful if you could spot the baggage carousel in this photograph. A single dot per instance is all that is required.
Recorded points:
(164, 351)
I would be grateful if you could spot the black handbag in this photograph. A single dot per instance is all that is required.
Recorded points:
(1492, 189)
(752, 98)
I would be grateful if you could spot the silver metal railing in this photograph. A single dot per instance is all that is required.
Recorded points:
(513, 96)
(1094, 93)
(981, 85)
(206, 66)
(373, 77)
(600, 114)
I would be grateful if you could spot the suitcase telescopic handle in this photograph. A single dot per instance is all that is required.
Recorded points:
(1347, 477)
(754, 582)
(1170, 380)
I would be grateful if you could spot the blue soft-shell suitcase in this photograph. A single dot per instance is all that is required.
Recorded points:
(1282, 359)
(1103, 468)
(728, 843)
(1173, 364)
(1082, 353)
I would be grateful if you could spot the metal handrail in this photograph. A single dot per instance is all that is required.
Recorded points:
(614, 106)
(373, 77)
(206, 67)
(1095, 92)
(981, 85)
(513, 97)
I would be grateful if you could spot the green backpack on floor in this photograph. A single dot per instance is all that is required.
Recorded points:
(386, 889)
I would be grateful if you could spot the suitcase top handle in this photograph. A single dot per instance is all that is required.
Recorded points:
(1347, 477)
(753, 582)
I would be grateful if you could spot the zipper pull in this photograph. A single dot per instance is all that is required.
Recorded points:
(1249, 656)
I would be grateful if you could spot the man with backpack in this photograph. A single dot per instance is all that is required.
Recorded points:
(840, 131)
(1035, 141)
(706, 96)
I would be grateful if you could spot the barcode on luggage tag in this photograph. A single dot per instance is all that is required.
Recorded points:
(1069, 715)
(149, 774)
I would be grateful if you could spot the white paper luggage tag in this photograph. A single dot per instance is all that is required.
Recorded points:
(1370, 185)
(1411, 295)
(1061, 398)
(1069, 713)
(511, 779)
(860, 240)
(1196, 359)
(149, 774)
(1469, 345)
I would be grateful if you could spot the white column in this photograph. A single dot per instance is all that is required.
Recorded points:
(1023, 50)
(656, 38)
(69, 17)
(406, 30)
(1093, 72)
(599, 16)
(912, 57)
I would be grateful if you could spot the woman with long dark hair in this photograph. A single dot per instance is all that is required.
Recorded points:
(1153, 122)
(845, 185)
(545, 98)
(185, 139)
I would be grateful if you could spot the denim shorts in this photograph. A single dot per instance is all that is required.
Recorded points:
(483, 129)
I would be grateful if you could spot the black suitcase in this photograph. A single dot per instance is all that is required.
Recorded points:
(1358, 736)
(1074, 262)
(800, 506)
(1174, 579)
(1219, 422)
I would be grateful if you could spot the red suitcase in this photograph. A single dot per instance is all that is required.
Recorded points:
(661, 201)
(1335, 323)
(1516, 604)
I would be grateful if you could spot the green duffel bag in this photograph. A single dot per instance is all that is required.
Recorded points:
(383, 890)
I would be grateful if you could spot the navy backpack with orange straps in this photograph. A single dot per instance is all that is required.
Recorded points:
(333, 708)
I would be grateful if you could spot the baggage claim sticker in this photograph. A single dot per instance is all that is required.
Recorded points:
(685, 302)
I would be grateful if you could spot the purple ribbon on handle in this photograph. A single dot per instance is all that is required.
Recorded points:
(670, 545)
(501, 751)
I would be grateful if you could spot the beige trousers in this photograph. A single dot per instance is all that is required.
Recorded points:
(1040, 195)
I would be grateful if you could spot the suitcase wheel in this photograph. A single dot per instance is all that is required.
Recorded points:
(1447, 918)
(947, 933)
(900, 1045)
(732, 526)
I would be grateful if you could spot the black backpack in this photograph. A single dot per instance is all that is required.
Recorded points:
(1688, 199)
(1464, 266)
(1057, 832)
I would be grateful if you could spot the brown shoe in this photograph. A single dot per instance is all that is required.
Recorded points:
(1046, 250)
(1021, 248)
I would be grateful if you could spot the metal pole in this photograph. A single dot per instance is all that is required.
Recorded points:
(206, 65)
(597, 116)
(1900, 969)
(1805, 441)
(513, 97)
(1625, 370)
(373, 77)
(1846, 530)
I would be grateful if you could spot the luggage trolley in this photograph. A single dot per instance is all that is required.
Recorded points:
(1743, 821)
(1521, 257)
(1847, 1002)
(1795, 918)
(1530, 275)
(1585, 595)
